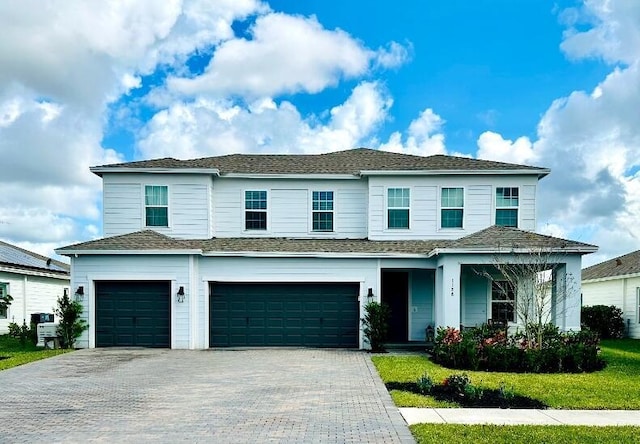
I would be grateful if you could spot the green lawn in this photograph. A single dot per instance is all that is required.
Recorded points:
(615, 387)
(493, 434)
(15, 354)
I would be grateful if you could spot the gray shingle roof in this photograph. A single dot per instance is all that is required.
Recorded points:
(140, 240)
(16, 256)
(496, 237)
(340, 162)
(619, 266)
(491, 239)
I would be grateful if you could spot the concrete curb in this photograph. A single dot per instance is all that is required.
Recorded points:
(521, 416)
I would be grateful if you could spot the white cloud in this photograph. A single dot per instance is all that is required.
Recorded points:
(211, 127)
(494, 147)
(423, 136)
(393, 57)
(286, 54)
(62, 62)
(590, 140)
(614, 34)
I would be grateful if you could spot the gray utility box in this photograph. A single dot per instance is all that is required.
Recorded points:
(47, 335)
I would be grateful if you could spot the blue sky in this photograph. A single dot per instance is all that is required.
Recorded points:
(548, 83)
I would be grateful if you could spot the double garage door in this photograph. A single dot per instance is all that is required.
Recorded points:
(138, 313)
(268, 314)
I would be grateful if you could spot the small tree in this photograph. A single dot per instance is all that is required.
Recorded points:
(530, 275)
(70, 325)
(375, 325)
(5, 301)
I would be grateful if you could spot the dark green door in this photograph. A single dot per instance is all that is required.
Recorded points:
(267, 314)
(133, 314)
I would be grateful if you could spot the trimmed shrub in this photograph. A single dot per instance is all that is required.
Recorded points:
(375, 325)
(471, 349)
(605, 320)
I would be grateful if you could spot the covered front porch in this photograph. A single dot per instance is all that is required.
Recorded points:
(460, 289)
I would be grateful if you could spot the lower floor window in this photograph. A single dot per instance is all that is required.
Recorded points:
(503, 298)
(3, 292)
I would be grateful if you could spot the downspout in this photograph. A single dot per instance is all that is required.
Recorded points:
(25, 281)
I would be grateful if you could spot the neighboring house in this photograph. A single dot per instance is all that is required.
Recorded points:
(253, 250)
(35, 282)
(616, 282)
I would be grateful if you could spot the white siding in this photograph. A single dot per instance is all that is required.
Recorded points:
(189, 210)
(474, 299)
(122, 207)
(603, 293)
(527, 207)
(479, 204)
(31, 294)
(88, 269)
(289, 207)
(289, 212)
(623, 293)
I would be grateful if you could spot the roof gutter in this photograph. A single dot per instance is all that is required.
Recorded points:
(540, 172)
(99, 171)
(82, 252)
(492, 250)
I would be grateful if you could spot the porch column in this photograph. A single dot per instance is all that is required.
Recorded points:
(447, 295)
(566, 294)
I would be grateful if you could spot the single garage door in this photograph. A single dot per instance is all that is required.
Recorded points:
(267, 314)
(133, 313)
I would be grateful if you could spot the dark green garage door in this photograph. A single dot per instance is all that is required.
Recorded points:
(267, 314)
(133, 313)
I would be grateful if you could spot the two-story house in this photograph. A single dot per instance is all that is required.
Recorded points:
(273, 250)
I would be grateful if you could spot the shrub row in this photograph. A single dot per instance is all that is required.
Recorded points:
(491, 349)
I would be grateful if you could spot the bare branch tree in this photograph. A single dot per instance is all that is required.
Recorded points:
(527, 282)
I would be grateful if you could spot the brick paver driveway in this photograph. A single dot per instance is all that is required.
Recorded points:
(142, 395)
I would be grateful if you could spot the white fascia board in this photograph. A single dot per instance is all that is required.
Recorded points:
(313, 254)
(125, 252)
(40, 273)
(102, 170)
(539, 172)
(611, 278)
(291, 176)
(438, 251)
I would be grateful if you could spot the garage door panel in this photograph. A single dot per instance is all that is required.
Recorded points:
(133, 313)
(317, 315)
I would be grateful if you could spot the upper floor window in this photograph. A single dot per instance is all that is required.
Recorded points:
(322, 213)
(156, 205)
(4, 290)
(503, 299)
(398, 201)
(507, 207)
(255, 206)
(451, 207)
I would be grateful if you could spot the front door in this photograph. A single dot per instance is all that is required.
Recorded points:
(395, 293)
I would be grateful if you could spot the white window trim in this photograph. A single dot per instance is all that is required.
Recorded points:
(490, 302)
(637, 305)
(387, 208)
(267, 211)
(440, 208)
(496, 207)
(334, 211)
(144, 206)
(6, 287)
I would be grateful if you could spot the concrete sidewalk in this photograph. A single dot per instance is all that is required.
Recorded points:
(521, 416)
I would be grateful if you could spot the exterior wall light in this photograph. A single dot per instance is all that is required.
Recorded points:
(370, 295)
(180, 295)
(79, 293)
